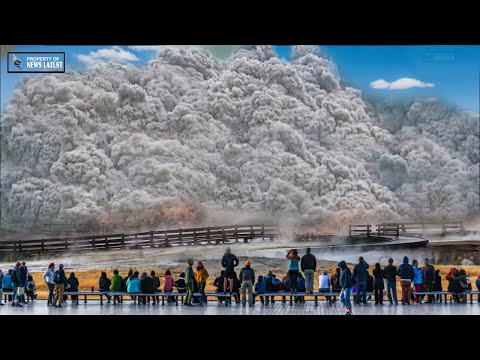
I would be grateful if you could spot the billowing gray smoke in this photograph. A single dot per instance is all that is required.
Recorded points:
(252, 133)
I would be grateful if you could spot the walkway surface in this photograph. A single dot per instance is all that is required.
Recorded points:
(94, 308)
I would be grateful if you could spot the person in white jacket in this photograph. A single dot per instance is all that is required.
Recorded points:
(324, 284)
(48, 279)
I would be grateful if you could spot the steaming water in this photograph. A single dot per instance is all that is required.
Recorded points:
(253, 134)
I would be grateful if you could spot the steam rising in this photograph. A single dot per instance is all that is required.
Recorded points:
(252, 133)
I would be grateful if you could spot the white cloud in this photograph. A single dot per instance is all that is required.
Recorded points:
(400, 84)
(379, 84)
(115, 54)
(146, 47)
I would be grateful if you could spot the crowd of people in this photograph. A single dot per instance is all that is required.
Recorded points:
(300, 278)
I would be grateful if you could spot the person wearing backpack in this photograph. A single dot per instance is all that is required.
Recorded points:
(16, 284)
(428, 273)
(48, 280)
(60, 281)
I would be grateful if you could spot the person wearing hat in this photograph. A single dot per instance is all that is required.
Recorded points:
(247, 279)
(60, 281)
(201, 276)
(229, 261)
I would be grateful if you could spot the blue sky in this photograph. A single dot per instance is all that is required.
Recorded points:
(450, 73)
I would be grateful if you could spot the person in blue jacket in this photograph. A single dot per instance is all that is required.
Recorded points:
(346, 284)
(260, 288)
(7, 283)
(417, 280)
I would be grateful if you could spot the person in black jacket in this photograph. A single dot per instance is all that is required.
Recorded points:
(378, 285)
(104, 284)
(428, 277)
(360, 275)
(180, 284)
(229, 261)
(437, 285)
(73, 284)
(390, 274)
(23, 279)
(146, 285)
(218, 283)
(247, 279)
(308, 263)
(237, 285)
(405, 271)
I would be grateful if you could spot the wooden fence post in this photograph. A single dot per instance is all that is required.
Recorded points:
(195, 240)
(263, 232)
(123, 240)
(151, 239)
(43, 247)
(93, 241)
(208, 235)
(107, 245)
(180, 237)
(252, 234)
(235, 234)
(167, 244)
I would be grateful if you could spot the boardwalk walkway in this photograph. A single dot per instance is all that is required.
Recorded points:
(94, 308)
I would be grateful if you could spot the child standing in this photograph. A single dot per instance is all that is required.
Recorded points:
(201, 275)
(31, 289)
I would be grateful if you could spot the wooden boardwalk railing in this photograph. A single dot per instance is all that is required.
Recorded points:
(397, 229)
(151, 239)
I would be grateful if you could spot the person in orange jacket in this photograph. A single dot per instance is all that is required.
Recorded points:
(201, 276)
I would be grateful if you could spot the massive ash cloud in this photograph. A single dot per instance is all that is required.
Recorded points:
(252, 133)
